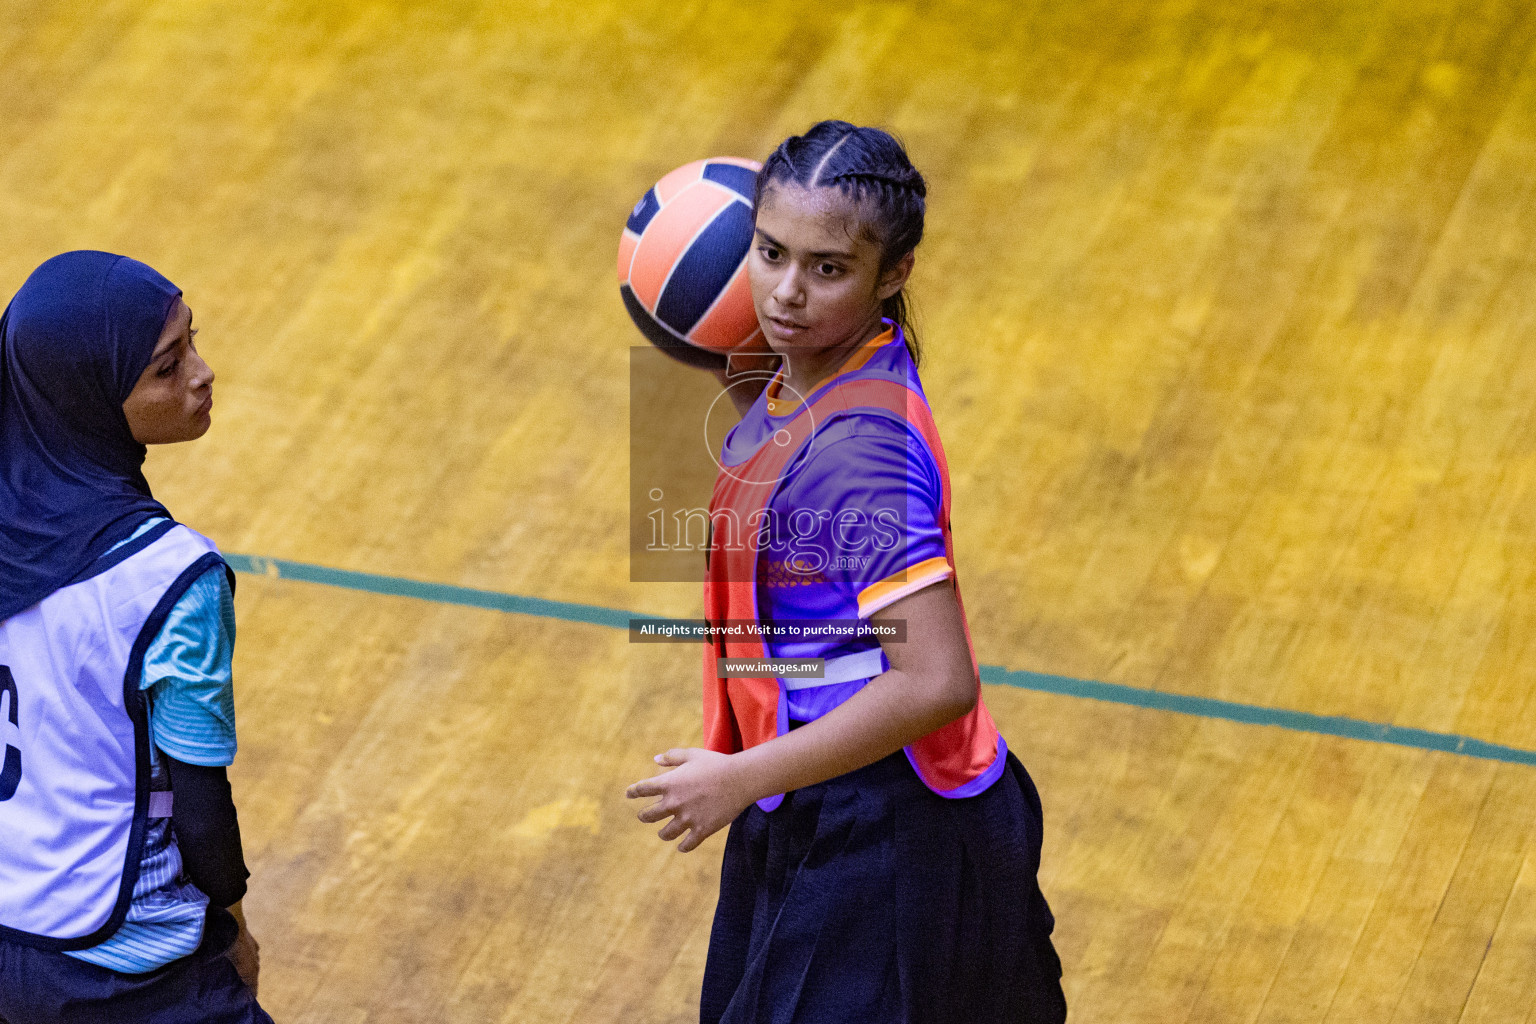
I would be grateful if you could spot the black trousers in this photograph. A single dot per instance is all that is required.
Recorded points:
(38, 987)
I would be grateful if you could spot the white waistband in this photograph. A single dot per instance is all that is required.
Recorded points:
(846, 669)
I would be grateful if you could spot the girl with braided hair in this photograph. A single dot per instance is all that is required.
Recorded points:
(884, 843)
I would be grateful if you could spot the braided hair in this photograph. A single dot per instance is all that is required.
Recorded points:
(870, 167)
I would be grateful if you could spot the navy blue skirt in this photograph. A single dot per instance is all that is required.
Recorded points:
(869, 898)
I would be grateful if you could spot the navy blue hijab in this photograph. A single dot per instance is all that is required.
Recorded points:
(73, 343)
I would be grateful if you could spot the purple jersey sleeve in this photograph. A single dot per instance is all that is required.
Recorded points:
(856, 524)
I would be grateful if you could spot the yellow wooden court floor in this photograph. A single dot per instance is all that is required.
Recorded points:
(1228, 313)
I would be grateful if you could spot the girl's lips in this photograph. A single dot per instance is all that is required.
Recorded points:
(207, 405)
(785, 328)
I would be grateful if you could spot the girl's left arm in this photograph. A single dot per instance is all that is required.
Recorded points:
(931, 682)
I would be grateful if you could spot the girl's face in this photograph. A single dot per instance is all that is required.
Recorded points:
(815, 275)
(173, 400)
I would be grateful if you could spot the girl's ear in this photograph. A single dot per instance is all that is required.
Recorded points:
(895, 279)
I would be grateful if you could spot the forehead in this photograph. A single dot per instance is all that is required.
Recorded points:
(813, 220)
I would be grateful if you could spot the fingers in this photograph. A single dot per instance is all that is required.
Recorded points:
(669, 806)
(697, 833)
(645, 787)
(653, 786)
(655, 812)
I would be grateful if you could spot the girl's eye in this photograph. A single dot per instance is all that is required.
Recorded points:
(770, 253)
(168, 369)
(828, 269)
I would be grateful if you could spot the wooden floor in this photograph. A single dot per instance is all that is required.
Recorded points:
(1228, 310)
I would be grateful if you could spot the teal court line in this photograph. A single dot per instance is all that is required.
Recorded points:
(1114, 693)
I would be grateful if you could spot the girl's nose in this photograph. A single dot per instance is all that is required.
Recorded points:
(789, 292)
(202, 373)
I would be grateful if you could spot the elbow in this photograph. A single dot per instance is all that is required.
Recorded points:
(960, 694)
(966, 702)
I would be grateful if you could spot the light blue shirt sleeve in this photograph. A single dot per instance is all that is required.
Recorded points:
(188, 675)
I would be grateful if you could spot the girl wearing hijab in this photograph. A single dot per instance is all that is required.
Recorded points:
(121, 870)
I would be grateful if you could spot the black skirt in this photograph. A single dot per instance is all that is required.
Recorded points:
(869, 898)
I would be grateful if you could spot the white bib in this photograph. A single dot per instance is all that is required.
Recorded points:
(74, 782)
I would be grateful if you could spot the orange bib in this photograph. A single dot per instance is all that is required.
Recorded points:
(959, 759)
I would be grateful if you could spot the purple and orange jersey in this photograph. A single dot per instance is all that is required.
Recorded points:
(830, 510)
(855, 525)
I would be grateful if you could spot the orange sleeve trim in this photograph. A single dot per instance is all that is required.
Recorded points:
(909, 581)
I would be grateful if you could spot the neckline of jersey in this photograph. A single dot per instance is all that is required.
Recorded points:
(856, 362)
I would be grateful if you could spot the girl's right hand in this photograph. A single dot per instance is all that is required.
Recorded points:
(700, 794)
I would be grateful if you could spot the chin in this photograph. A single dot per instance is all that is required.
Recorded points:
(789, 347)
(757, 345)
(198, 427)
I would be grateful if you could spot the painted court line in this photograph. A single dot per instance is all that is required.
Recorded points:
(615, 618)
